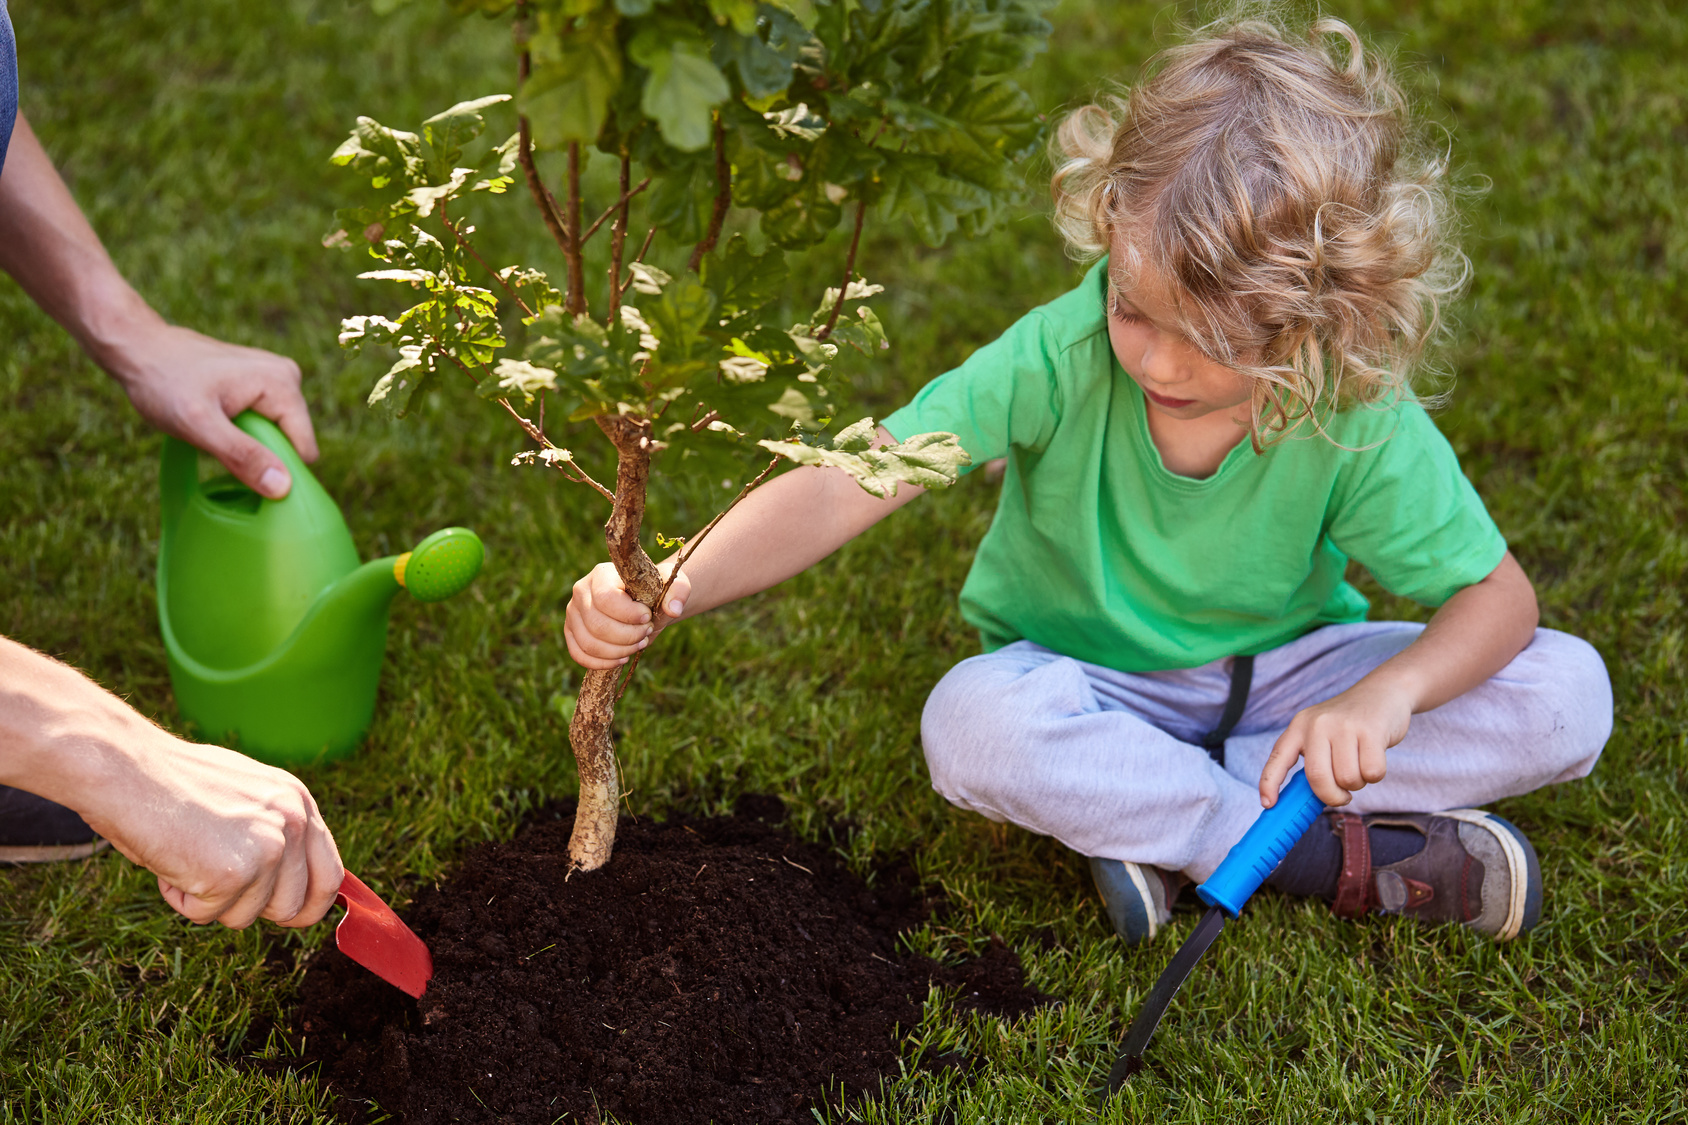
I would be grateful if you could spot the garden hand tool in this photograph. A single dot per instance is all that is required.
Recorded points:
(273, 632)
(1245, 867)
(373, 936)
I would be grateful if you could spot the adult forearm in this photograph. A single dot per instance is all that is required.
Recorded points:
(48, 246)
(1472, 636)
(62, 736)
(780, 530)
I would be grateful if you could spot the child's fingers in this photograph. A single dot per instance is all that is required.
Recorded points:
(678, 594)
(604, 592)
(1345, 762)
(1278, 764)
(1373, 763)
(1316, 763)
(589, 652)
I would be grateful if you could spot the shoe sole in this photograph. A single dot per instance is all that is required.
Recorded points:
(50, 853)
(1138, 910)
(1523, 867)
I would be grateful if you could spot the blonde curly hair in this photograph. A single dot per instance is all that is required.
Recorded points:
(1279, 186)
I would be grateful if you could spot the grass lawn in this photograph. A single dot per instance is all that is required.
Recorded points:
(196, 136)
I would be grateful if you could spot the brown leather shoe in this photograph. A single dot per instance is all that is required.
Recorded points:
(1475, 868)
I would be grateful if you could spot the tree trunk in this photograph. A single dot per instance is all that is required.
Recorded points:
(594, 713)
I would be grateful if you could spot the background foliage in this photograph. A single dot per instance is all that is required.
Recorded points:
(196, 137)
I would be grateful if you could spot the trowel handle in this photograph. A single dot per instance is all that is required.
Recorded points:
(1262, 847)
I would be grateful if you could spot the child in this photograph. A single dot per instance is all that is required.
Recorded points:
(1198, 439)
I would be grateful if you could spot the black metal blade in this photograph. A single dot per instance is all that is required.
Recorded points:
(1142, 1028)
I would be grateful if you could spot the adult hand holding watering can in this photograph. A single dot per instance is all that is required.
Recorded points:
(186, 384)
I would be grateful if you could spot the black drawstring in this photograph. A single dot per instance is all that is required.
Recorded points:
(1242, 676)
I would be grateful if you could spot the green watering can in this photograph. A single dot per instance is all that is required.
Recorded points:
(273, 631)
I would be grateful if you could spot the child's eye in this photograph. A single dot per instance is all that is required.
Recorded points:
(1122, 313)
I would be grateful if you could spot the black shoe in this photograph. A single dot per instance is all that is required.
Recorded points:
(35, 830)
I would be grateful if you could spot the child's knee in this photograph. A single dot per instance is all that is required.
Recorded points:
(979, 714)
(1574, 701)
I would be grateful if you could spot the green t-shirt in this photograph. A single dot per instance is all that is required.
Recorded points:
(1099, 552)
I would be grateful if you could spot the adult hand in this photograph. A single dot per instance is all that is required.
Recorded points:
(186, 384)
(230, 839)
(604, 626)
(189, 386)
(1341, 742)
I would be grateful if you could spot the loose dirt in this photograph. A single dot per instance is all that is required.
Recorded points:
(716, 970)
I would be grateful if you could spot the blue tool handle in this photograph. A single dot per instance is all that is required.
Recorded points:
(1266, 842)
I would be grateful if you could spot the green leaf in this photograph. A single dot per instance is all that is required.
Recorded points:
(764, 179)
(679, 200)
(796, 121)
(740, 14)
(356, 331)
(932, 460)
(915, 187)
(394, 391)
(451, 129)
(634, 7)
(856, 437)
(866, 334)
(379, 151)
(567, 95)
(743, 281)
(679, 315)
(517, 377)
(802, 220)
(763, 70)
(682, 89)
(793, 404)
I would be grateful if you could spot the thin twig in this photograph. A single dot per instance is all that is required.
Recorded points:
(705, 420)
(723, 197)
(571, 224)
(686, 553)
(467, 245)
(524, 153)
(579, 476)
(692, 543)
(849, 268)
(626, 195)
(650, 234)
(439, 351)
(618, 238)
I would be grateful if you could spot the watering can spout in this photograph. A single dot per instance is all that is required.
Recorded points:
(273, 631)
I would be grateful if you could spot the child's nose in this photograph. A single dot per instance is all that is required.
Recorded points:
(1161, 365)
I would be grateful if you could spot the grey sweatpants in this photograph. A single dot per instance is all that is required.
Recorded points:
(1110, 763)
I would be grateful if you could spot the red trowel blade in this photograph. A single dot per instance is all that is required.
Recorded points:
(372, 935)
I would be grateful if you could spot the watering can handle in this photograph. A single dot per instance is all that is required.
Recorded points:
(179, 463)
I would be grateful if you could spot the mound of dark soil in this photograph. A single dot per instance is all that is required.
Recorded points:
(715, 971)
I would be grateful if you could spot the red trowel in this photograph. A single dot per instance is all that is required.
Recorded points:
(372, 935)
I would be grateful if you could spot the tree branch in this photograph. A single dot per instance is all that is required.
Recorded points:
(723, 197)
(465, 244)
(686, 553)
(571, 224)
(579, 476)
(618, 237)
(524, 153)
(626, 195)
(650, 234)
(849, 268)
